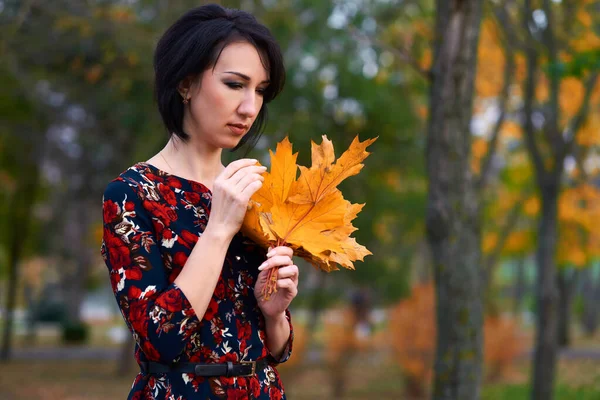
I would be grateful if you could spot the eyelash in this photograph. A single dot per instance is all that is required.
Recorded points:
(237, 85)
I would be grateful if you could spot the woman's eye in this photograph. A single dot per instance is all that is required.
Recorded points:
(234, 85)
(261, 91)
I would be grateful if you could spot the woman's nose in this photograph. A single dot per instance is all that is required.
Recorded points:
(250, 105)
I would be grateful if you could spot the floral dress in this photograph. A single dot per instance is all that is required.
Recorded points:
(151, 222)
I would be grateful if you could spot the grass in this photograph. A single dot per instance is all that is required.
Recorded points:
(364, 378)
(518, 392)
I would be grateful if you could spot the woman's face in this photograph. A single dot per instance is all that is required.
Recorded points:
(226, 100)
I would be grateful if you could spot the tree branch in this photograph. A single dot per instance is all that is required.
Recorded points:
(504, 95)
(510, 30)
(552, 131)
(570, 132)
(511, 220)
(402, 54)
(530, 83)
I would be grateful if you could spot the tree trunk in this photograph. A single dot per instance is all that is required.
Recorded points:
(21, 212)
(520, 285)
(591, 301)
(546, 344)
(453, 217)
(566, 285)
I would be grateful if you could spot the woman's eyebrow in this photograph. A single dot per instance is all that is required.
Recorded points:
(245, 77)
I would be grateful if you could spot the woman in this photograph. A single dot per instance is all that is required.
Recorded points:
(187, 282)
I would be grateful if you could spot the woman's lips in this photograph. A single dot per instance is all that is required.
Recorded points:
(238, 129)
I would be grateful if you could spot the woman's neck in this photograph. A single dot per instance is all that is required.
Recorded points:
(191, 161)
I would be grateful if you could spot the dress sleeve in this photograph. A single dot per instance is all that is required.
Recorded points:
(157, 312)
(287, 352)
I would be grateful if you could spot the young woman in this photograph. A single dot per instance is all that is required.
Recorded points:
(187, 282)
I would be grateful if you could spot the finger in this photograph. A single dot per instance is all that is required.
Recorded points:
(234, 166)
(281, 250)
(246, 180)
(241, 173)
(288, 285)
(275, 261)
(290, 271)
(249, 190)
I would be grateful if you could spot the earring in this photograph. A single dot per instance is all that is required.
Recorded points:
(185, 100)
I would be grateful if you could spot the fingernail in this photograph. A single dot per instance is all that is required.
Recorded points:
(263, 266)
(271, 253)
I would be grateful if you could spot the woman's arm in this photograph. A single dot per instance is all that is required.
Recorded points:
(278, 327)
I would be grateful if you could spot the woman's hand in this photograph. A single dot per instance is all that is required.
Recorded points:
(231, 192)
(287, 282)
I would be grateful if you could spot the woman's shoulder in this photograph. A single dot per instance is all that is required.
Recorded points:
(130, 181)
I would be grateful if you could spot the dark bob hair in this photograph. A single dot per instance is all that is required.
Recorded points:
(194, 43)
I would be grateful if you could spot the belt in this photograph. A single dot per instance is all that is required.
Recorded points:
(228, 369)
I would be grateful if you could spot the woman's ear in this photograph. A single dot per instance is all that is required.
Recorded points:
(185, 88)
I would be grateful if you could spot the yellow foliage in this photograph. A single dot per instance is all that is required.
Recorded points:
(511, 130)
(426, 59)
(532, 206)
(479, 148)
(585, 18)
(502, 344)
(490, 241)
(491, 62)
(570, 96)
(586, 41)
(518, 242)
(413, 332)
(589, 134)
(520, 67)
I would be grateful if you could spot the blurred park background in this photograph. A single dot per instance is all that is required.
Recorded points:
(76, 108)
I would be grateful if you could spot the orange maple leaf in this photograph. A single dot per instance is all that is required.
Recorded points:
(308, 213)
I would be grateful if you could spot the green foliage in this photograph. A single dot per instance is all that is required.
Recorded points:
(522, 392)
(75, 332)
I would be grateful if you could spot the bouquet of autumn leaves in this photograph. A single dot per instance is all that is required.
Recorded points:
(308, 213)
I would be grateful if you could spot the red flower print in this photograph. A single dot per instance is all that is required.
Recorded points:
(118, 252)
(153, 177)
(211, 310)
(173, 182)
(150, 351)
(188, 236)
(110, 211)
(244, 330)
(233, 357)
(167, 194)
(115, 278)
(236, 394)
(198, 188)
(134, 292)
(192, 197)
(275, 393)
(170, 301)
(138, 315)
(137, 395)
(180, 258)
(220, 290)
(255, 387)
(133, 273)
(164, 213)
(129, 206)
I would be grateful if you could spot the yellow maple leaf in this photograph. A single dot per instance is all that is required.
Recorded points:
(309, 213)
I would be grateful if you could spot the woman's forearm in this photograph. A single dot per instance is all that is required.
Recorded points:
(278, 334)
(200, 274)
